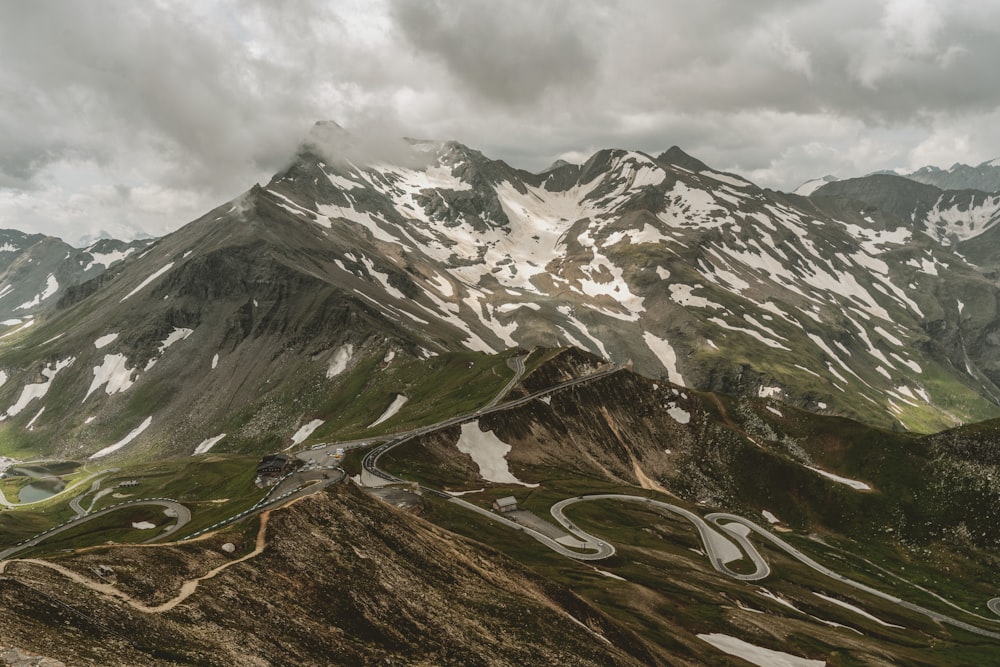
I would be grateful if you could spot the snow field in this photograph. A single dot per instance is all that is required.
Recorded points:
(665, 353)
(856, 610)
(489, 454)
(757, 655)
(132, 435)
(38, 390)
(114, 373)
(207, 444)
(394, 407)
(853, 483)
(105, 340)
(156, 274)
(305, 431)
(338, 364)
(106, 259)
(51, 287)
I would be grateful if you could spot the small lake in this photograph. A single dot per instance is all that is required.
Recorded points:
(39, 491)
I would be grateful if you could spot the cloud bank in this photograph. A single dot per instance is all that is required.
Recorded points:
(125, 118)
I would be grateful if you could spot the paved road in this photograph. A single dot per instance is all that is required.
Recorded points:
(516, 364)
(182, 513)
(71, 487)
(295, 485)
(370, 462)
(600, 549)
(75, 503)
(822, 569)
(715, 541)
(719, 546)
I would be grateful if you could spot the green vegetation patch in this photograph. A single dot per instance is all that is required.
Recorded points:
(436, 389)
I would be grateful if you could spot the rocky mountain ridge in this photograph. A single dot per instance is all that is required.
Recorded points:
(984, 176)
(36, 269)
(247, 318)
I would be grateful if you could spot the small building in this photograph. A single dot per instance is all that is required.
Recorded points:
(272, 465)
(129, 484)
(506, 504)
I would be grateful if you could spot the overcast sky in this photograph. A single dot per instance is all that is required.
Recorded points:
(122, 118)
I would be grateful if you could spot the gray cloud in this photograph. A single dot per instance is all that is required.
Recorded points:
(131, 116)
(507, 52)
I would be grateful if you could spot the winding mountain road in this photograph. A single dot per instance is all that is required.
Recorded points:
(719, 546)
(71, 487)
(370, 461)
(182, 513)
(722, 542)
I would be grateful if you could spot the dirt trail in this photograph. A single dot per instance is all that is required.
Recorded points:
(187, 588)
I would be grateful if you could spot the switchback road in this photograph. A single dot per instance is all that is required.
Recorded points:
(182, 513)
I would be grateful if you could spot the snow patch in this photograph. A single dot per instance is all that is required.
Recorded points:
(143, 525)
(39, 389)
(757, 655)
(665, 353)
(106, 340)
(489, 453)
(770, 517)
(682, 295)
(810, 187)
(51, 287)
(30, 425)
(338, 364)
(394, 407)
(179, 333)
(215, 360)
(853, 483)
(609, 575)
(132, 435)
(208, 444)
(724, 178)
(108, 258)
(306, 430)
(856, 610)
(112, 372)
(156, 274)
(679, 415)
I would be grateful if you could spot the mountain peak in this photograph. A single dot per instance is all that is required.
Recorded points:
(984, 177)
(675, 156)
(558, 164)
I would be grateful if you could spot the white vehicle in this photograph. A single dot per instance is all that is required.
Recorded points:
(339, 454)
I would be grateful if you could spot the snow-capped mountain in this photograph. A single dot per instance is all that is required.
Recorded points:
(963, 219)
(35, 270)
(242, 321)
(984, 177)
(812, 185)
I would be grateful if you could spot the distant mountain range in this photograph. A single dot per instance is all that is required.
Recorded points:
(984, 177)
(873, 298)
(35, 269)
